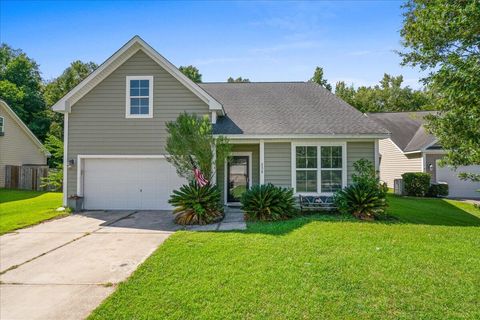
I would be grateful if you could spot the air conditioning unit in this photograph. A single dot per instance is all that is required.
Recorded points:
(398, 187)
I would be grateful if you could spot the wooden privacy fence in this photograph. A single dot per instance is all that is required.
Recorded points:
(26, 177)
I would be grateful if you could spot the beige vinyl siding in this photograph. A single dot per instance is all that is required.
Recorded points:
(278, 164)
(16, 147)
(255, 150)
(357, 151)
(394, 163)
(97, 122)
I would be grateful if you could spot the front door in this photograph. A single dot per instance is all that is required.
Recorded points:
(237, 177)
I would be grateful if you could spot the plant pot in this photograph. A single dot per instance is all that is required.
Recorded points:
(78, 206)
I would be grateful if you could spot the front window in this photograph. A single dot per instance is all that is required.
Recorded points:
(314, 176)
(331, 167)
(2, 126)
(139, 97)
(306, 160)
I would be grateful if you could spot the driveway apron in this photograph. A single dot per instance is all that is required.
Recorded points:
(64, 268)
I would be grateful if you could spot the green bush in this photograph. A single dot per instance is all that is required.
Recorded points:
(364, 174)
(416, 183)
(54, 180)
(196, 205)
(366, 198)
(268, 202)
(362, 200)
(438, 190)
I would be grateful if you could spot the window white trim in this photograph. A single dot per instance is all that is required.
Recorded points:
(2, 126)
(150, 97)
(225, 175)
(294, 145)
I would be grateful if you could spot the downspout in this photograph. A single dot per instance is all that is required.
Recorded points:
(65, 157)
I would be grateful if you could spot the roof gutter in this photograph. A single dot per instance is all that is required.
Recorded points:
(305, 136)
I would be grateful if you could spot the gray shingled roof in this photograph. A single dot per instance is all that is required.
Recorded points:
(286, 108)
(407, 130)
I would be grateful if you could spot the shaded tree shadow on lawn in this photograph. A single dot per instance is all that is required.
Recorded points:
(9, 195)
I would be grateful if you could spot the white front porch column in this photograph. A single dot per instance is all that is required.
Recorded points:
(262, 160)
(214, 165)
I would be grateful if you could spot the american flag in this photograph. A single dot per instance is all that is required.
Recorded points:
(199, 178)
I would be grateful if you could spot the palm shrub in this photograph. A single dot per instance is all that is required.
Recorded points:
(366, 198)
(268, 202)
(196, 205)
(361, 200)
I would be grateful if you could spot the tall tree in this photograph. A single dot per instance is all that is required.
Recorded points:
(70, 77)
(191, 72)
(443, 37)
(347, 93)
(318, 78)
(239, 79)
(21, 87)
(389, 95)
(60, 86)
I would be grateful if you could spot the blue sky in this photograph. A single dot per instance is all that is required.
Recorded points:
(263, 41)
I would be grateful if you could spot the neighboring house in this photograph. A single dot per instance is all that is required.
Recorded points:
(411, 149)
(18, 145)
(293, 134)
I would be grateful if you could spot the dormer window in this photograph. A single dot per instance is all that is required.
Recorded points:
(139, 97)
(2, 126)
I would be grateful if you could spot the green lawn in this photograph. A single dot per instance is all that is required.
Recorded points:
(19, 208)
(423, 265)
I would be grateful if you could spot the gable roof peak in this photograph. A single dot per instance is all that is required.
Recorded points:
(22, 125)
(118, 58)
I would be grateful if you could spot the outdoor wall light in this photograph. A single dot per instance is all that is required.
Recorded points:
(71, 163)
(430, 167)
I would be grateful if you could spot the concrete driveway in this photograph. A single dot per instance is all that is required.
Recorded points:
(64, 268)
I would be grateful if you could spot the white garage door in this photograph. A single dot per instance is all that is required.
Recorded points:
(129, 183)
(459, 188)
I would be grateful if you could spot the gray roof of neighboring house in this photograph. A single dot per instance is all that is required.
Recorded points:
(407, 130)
(286, 108)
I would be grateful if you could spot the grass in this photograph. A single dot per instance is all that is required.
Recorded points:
(423, 265)
(20, 208)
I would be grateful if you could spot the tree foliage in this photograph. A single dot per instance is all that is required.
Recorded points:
(443, 37)
(55, 146)
(21, 87)
(387, 96)
(60, 86)
(239, 79)
(70, 77)
(191, 72)
(319, 79)
(191, 136)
